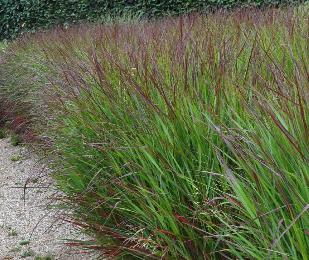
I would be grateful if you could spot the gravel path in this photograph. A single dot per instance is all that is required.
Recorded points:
(27, 228)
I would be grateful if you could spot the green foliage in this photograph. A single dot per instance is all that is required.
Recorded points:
(24, 242)
(15, 139)
(2, 133)
(17, 16)
(16, 158)
(27, 253)
(13, 233)
(43, 258)
(185, 138)
(15, 249)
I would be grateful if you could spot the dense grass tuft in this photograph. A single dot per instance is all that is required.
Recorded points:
(185, 138)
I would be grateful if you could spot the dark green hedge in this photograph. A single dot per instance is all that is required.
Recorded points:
(24, 15)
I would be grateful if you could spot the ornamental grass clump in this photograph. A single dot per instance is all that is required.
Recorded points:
(185, 138)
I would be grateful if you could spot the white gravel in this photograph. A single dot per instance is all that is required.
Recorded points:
(27, 228)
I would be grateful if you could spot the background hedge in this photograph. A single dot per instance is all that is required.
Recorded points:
(23, 15)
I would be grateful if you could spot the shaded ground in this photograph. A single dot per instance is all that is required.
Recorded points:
(29, 229)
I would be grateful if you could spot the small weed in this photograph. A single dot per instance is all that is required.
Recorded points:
(43, 258)
(35, 180)
(15, 249)
(15, 139)
(13, 233)
(2, 133)
(16, 158)
(24, 242)
(27, 253)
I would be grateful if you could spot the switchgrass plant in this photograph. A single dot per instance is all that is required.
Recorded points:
(185, 138)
